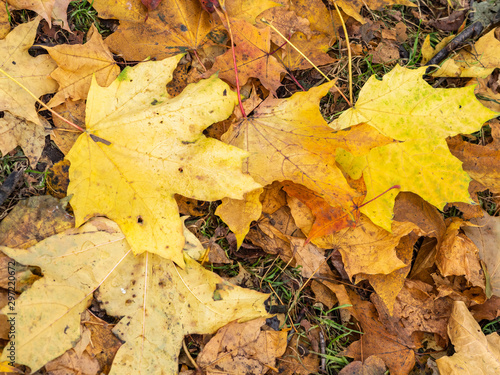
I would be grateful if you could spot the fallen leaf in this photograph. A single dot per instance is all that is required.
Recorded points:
(134, 162)
(480, 162)
(424, 167)
(77, 360)
(288, 139)
(174, 27)
(104, 344)
(323, 294)
(239, 214)
(474, 352)
(486, 92)
(396, 351)
(311, 259)
(412, 208)
(248, 10)
(60, 14)
(485, 233)
(476, 61)
(451, 23)
(428, 52)
(369, 249)
(389, 286)
(403, 106)
(4, 20)
(490, 310)
(353, 7)
(243, 348)
(252, 47)
(328, 219)
(78, 63)
(459, 256)
(150, 5)
(32, 72)
(16, 131)
(57, 179)
(286, 21)
(34, 219)
(417, 309)
(292, 363)
(386, 51)
(44, 8)
(373, 365)
(273, 198)
(154, 297)
(323, 34)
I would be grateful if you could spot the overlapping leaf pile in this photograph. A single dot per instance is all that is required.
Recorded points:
(368, 185)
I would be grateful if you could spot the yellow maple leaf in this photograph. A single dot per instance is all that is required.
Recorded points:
(288, 139)
(143, 147)
(32, 72)
(426, 168)
(252, 47)
(403, 106)
(159, 302)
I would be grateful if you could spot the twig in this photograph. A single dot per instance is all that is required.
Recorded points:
(188, 354)
(322, 350)
(471, 31)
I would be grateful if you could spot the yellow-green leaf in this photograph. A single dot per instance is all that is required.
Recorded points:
(403, 106)
(144, 147)
(426, 168)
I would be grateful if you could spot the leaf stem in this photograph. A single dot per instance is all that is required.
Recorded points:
(348, 50)
(378, 196)
(234, 58)
(40, 102)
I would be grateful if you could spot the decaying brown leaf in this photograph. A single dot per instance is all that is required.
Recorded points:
(396, 351)
(243, 348)
(485, 233)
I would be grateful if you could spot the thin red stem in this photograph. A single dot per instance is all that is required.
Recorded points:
(234, 63)
(371, 200)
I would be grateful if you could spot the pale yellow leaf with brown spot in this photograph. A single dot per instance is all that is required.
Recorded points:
(143, 147)
(158, 302)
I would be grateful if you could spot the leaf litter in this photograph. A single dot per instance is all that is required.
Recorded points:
(295, 190)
